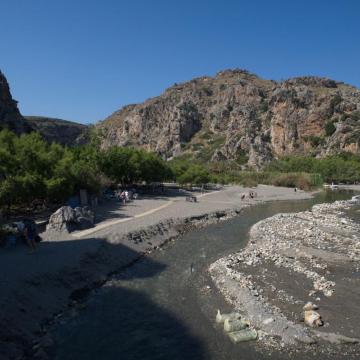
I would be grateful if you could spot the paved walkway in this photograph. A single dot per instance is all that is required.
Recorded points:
(106, 224)
(149, 211)
(139, 209)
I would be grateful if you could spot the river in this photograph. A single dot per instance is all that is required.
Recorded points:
(164, 306)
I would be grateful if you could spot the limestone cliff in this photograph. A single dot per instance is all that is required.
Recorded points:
(239, 116)
(52, 130)
(10, 116)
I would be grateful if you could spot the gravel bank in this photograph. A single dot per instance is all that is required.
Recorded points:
(292, 259)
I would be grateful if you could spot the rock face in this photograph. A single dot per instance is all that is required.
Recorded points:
(239, 116)
(67, 219)
(10, 116)
(53, 130)
(57, 130)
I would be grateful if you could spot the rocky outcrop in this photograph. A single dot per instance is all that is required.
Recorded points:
(239, 116)
(52, 130)
(67, 219)
(10, 117)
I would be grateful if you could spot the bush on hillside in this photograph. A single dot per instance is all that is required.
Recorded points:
(330, 128)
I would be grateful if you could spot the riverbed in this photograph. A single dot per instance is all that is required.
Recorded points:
(163, 307)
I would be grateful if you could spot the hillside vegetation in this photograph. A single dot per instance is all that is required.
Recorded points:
(304, 172)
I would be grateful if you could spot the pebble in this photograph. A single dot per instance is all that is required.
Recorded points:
(268, 321)
(286, 240)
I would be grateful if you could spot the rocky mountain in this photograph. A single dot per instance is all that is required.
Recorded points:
(10, 116)
(238, 116)
(52, 130)
(57, 130)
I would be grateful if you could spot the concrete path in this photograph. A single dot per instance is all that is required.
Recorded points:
(146, 212)
(106, 224)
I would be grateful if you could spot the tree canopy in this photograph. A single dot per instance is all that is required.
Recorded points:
(31, 169)
(336, 168)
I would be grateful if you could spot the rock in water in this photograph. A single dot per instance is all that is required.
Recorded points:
(243, 335)
(310, 306)
(220, 318)
(234, 325)
(312, 318)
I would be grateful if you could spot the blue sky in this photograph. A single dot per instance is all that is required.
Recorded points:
(83, 59)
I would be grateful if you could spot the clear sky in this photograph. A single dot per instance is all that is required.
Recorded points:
(83, 59)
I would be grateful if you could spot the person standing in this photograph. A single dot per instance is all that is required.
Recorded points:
(123, 197)
(30, 234)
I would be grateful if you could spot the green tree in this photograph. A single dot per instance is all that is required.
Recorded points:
(195, 174)
(126, 166)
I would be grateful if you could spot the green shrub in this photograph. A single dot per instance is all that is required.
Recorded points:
(330, 128)
(194, 174)
(242, 158)
(338, 168)
(264, 106)
(314, 141)
(336, 100)
(206, 135)
(355, 115)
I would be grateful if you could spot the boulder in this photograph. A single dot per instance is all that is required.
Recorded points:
(67, 219)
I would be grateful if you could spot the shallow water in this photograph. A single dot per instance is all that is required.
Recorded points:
(164, 306)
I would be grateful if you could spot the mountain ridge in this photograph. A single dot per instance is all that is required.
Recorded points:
(246, 115)
(232, 116)
(52, 130)
(57, 130)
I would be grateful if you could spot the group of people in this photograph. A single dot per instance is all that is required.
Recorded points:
(250, 194)
(125, 195)
(23, 231)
